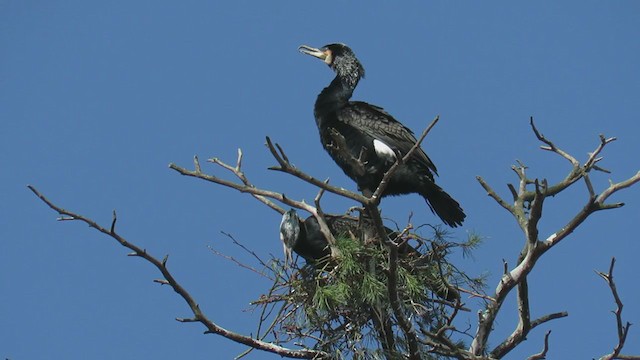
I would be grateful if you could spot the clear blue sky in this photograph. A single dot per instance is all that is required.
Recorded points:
(96, 98)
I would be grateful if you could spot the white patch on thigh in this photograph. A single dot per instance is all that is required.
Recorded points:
(383, 150)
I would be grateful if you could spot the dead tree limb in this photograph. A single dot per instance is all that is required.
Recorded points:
(260, 194)
(621, 327)
(287, 167)
(542, 354)
(527, 210)
(169, 279)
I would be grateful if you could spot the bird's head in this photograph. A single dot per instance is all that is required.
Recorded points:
(339, 57)
(289, 233)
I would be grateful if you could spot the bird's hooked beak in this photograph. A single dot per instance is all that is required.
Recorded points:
(324, 55)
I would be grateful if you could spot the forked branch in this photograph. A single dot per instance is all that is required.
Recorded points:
(287, 167)
(527, 209)
(260, 194)
(621, 327)
(577, 170)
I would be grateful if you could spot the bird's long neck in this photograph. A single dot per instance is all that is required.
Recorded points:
(302, 237)
(335, 96)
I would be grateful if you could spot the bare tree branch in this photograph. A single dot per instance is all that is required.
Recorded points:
(377, 194)
(237, 171)
(623, 328)
(519, 335)
(287, 167)
(594, 203)
(340, 144)
(527, 209)
(551, 146)
(260, 194)
(577, 170)
(239, 263)
(246, 187)
(542, 354)
(494, 195)
(198, 315)
(616, 187)
(247, 250)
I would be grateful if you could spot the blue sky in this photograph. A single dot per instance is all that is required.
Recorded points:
(98, 97)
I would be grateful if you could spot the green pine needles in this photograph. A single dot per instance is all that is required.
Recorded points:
(341, 306)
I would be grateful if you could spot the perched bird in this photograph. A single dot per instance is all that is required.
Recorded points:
(373, 139)
(305, 239)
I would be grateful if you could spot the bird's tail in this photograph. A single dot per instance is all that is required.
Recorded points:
(442, 204)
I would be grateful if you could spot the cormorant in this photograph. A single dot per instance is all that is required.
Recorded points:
(373, 137)
(306, 240)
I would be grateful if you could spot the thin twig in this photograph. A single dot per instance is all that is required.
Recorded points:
(237, 171)
(259, 194)
(247, 250)
(542, 354)
(377, 194)
(551, 146)
(239, 263)
(287, 167)
(494, 195)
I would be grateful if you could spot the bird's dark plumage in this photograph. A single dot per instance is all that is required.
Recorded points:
(374, 137)
(305, 239)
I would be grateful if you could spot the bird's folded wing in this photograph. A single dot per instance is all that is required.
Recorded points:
(377, 123)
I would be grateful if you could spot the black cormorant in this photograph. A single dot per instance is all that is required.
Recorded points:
(374, 137)
(305, 239)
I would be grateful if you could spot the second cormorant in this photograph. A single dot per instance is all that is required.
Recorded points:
(373, 138)
(305, 239)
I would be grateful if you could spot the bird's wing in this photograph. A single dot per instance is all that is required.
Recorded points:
(377, 123)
